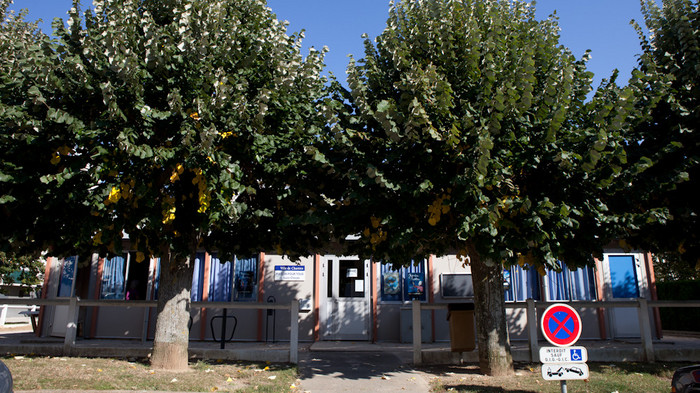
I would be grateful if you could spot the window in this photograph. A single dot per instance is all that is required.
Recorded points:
(220, 280)
(246, 279)
(124, 278)
(114, 271)
(521, 284)
(569, 284)
(198, 278)
(405, 284)
(222, 285)
(623, 276)
(65, 287)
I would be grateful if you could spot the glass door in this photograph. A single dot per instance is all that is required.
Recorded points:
(625, 281)
(345, 298)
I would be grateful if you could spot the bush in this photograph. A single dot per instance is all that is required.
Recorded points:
(685, 319)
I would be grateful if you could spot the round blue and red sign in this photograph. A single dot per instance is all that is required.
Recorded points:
(561, 325)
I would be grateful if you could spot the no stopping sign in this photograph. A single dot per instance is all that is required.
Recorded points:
(561, 325)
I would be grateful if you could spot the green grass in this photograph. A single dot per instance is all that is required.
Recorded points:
(604, 377)
(34, 373)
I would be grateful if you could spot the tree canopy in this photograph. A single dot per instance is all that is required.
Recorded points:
(479, 137)
(182, 124)
(663, 148)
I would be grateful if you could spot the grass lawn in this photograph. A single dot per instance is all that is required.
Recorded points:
(34, 373)
(604, 377)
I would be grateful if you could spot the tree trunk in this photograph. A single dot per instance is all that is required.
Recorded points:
(490, 313)
(172, 333)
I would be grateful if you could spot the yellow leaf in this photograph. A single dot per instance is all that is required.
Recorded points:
(114, 196)
(55, 159)
(140, 257)
(97, 239)
(229, 379)
(64, 150)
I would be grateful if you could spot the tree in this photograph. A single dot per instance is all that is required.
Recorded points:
(663, 148)
(469, 132)
(182, 123)
(24, 270)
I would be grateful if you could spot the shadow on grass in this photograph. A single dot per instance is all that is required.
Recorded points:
(661, 370)
(479, 388)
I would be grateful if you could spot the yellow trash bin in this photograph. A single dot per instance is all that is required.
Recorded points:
(461, 318)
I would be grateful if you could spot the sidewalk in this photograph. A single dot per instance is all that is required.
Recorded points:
(326, 371)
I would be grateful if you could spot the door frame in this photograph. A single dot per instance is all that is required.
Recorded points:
(59, 314)
(326, 302)
(642, 287)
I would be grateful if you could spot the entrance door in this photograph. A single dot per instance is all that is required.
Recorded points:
(626, 281)
(66, 288)
(345, 298)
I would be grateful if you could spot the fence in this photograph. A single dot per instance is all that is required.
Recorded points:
(75, 303)
(530, 305)
(5, 308)
(532, 322)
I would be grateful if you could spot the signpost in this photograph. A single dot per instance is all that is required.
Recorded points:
(561, 326)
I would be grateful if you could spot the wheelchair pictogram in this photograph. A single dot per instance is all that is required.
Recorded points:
(576, 355)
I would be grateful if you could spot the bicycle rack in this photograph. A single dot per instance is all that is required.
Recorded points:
(224, 318)
(270, 313)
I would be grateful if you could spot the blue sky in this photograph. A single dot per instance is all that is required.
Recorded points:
(600, 25)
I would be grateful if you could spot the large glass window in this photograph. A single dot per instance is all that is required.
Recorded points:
(220, 280)
(246, 279)
(198, 278)
(567, 284)
(623, 276)
(114, 271)
(521, 284)
(227, 280)
(124, 278)
(65, 287)
(404, 284)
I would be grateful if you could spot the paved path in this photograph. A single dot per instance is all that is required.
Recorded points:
(358, 372)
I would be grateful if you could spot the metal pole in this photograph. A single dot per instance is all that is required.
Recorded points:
(223, 329)
(563, 386)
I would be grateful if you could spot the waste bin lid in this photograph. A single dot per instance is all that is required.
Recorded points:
(460, 307)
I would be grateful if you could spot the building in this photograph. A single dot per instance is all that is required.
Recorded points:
(341, 298)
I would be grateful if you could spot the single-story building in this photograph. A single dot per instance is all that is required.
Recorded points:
(341, 298)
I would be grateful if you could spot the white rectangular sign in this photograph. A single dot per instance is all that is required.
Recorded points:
(564, 371)
(563, 355)
(290, 273)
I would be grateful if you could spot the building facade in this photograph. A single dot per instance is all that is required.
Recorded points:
(341, 298)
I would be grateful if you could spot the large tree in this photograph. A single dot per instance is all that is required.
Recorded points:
(471, 133)
(663, 148)
(181, 123)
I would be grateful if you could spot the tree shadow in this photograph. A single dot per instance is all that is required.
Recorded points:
(351, 365)
(483, 389)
